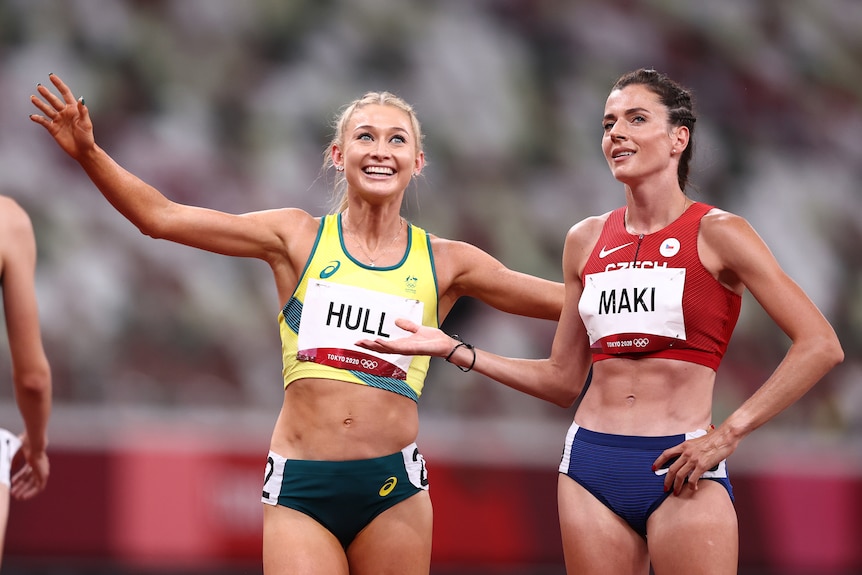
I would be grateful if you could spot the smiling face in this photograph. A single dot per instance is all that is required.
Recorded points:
(379, 151)
(638, 142)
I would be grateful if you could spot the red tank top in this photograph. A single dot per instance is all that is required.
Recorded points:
(650, 296)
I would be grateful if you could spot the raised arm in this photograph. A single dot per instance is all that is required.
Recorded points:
(258, 234)
(31, 373)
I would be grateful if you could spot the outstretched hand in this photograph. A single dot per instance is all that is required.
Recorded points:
(423, 340)
(66, 119)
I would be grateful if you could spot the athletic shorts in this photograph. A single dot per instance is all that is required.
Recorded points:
(617, 470)
(9, 444)
(344, 496)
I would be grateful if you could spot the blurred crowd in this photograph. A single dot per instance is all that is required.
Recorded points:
(229, 105)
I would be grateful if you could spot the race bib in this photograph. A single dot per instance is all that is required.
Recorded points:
(634, 309)
(335, 316)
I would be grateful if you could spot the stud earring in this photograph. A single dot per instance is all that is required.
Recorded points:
(339, 168)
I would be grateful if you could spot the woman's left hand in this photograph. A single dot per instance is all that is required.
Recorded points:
(692, 458)
(423, 340)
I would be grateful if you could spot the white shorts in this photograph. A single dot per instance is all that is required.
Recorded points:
(9, 444)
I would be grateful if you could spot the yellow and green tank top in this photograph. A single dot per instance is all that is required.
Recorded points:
(340, 300)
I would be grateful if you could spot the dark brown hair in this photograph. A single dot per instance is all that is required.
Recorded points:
(680, 109)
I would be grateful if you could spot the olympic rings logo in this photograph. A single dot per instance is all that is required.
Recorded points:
(368, 364)
(640, 342)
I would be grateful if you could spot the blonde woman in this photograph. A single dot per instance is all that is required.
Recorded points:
(345, 485)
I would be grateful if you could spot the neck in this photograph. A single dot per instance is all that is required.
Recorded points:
(650, 217)
(382, 245)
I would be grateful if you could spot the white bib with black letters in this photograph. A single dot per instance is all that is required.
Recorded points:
(335, 316)
(633, 309)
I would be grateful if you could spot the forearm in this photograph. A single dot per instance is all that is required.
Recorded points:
(127, 193)
(540, 378)
(803, 366)
(33, 396)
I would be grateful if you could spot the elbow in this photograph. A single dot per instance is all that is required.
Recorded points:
(825, 352)
(566, 403)
(567, 394)
(566, 398)
(570, 383)
(150, 229)
(834, 352)
(36, 384)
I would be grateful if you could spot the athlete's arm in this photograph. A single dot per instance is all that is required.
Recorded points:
(260, 235)
(558, 378)
(732, 249)
(465, 270)
(31, 372)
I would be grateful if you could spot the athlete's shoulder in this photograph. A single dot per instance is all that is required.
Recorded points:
(11, 213)
(720, 225)
(294, 219)
(15, 224)
(587, 231)
(455, 254)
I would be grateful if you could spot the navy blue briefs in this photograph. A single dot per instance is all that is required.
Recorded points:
(617, 470)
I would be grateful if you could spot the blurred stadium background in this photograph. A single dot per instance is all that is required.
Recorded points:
(166, 360)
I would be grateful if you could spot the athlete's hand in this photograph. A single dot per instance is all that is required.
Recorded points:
(32, 477)
(692, 458)
(66, 119)
(423, 340)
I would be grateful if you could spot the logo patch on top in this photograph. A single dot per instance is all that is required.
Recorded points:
(330, 270)
(669, 247)
(410, 283)
(605, 252)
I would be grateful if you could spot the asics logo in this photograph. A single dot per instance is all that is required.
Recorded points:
(329, 270)
(388, 486)
(605, 252)
(368, 363)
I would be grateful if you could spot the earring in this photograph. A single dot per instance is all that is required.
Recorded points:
(339, 168)
(673, 151)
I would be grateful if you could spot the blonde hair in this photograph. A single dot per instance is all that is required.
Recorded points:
(339, 192)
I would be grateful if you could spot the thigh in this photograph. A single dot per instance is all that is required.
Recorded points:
(695, 532)
(396, 542)
(595, 539)
(296, 544)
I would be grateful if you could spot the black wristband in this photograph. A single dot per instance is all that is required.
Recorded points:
(459, 345)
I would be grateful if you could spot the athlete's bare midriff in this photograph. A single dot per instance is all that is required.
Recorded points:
(327, 420)
(647, 397)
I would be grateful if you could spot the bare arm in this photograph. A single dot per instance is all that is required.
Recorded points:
(31, 373)
(731, 247)
(559, 378)
(259, 234)
(465, 270)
